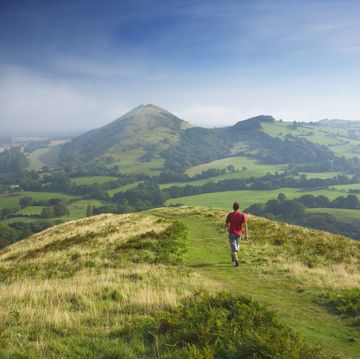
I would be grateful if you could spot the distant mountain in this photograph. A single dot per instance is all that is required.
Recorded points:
(338, 123)
(145, 130)
(149, 140)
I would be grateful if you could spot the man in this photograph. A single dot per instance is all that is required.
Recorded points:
(233, 224)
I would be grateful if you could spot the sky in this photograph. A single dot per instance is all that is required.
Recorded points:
(76, 65)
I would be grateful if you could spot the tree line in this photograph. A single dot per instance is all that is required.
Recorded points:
(294, 212)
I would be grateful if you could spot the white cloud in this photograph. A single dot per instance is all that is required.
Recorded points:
(31, 101)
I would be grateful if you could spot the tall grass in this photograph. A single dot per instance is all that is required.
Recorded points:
(106, 289)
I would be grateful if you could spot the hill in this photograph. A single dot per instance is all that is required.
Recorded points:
(121, 286)
(138, 136)
(149, 139)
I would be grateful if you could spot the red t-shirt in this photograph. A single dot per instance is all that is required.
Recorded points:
(236, 219)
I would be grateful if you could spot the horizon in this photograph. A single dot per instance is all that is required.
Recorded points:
(68, 67)
(72, 133)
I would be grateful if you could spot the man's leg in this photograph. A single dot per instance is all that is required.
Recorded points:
(236, 259)
(234, 247)
(236, 252)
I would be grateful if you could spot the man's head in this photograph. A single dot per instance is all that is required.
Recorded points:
(235, 206)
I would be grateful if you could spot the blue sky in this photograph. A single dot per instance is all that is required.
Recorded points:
(75, 65)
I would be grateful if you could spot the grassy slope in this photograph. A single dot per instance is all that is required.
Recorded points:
(83, 288)
(323, 135)
(44, 157)
(289, 288)
(95, 298)
(254, 168)
(245, 198)
(130, 162)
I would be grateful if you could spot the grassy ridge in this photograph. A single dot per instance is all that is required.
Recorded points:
(274, 269)
(111, 289)
(334, 138)
(96, 284)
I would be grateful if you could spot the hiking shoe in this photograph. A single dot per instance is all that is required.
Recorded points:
(236, 263)
(232, 259)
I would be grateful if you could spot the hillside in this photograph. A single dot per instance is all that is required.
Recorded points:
(138, 136)
(149, 139)
(113, 286)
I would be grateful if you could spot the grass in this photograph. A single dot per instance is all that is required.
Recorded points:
(109, 289)
(12, 200)
(245, 198)
(129, 162)
(321, 174)
(323, 135)
(346, 187)
(345, 215)
(89, 180)
(124, 188)
(47, 156)
(84, 274)
(77, 209)
(273, 275)
(245, 174)
(31, 210)
(253, 167)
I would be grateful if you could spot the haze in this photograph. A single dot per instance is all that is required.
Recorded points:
(72, 66)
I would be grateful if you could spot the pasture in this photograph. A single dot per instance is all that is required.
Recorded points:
(245, 198)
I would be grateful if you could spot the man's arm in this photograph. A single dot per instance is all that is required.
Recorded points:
(246, 232)
(227, 223)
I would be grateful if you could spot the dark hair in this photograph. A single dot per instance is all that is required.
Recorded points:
(235, 206)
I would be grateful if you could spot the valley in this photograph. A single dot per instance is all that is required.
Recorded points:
(149, 149)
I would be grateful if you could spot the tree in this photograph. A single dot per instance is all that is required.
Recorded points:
(89, 210)
(25, 201)
(60, 210)
(353, 201)
(281, 197)
(292, 209)
(47, 212)
(230, 168)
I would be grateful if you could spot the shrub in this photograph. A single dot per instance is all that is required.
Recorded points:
(346, 302)
(227, 326)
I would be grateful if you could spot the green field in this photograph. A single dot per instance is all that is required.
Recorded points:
(345, 215)
(124, 188)
(253, 167)
(77, 209)
(31, 210)
(331, 137)
(44, 157)
(129, 162)
(346, 187)
(89, 180)
(245, 198)
(322, 175)
(240, 174)
(12, 200)
(245, 174)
